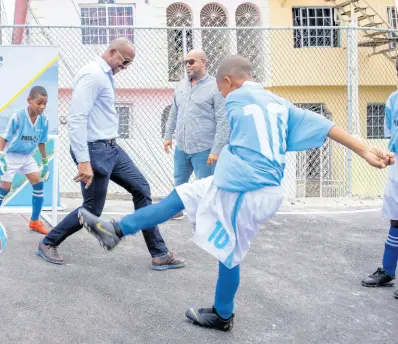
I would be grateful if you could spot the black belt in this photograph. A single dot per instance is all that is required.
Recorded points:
(111, 142)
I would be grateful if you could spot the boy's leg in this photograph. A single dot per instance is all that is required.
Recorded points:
(7, 177)
(109, 233)
(390, 257)
(4, 189)
(221, 315)
(383, 276)
(227, 286)
(37, 203)
(186, 196)
(152, 215)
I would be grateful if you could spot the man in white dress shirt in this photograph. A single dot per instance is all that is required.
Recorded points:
(93, 129)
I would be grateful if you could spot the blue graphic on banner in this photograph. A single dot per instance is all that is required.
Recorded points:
(21, 190)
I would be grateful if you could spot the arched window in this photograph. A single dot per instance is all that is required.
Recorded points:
(178, 15)
(214, 42)
(250, 42)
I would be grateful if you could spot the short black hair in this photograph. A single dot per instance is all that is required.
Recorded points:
(235, 65)
(37, 90)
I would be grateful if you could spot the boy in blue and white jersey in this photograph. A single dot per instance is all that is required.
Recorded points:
(245, 190)
(385, 274)
(26, 130)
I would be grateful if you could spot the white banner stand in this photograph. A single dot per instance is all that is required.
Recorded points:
(53, 219)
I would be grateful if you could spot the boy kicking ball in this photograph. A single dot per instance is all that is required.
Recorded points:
(26, 130)
(245, 190)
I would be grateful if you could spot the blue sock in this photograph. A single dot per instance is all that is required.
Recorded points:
(390, 257)
(151, 215)
(3, 194)
(227, 286)
(37, 200)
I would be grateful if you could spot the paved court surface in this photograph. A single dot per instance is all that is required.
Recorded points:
(300, 283)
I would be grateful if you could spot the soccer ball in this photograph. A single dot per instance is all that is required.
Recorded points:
(3, 238)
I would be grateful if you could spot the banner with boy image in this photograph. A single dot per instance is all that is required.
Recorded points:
(22, 68)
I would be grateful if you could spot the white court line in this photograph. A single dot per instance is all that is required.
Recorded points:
(278, 213)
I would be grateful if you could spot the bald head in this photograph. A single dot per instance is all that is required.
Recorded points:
(196, 54)
(236, 67)
(232, 73)
(119, 54)
(121, 43)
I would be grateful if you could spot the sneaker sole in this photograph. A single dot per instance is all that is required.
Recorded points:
(195, 322)
(41, 254)
(35, 230)
(390, 284)
(88, 228)
(166, 267)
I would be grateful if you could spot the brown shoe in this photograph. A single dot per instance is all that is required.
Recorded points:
(49, 253)
(171, 261)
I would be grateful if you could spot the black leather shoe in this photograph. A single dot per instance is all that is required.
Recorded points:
(378, 279)
(208, 317)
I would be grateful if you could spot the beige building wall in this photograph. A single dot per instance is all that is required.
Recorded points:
(366, 181)
(319, 75)
(321, 66)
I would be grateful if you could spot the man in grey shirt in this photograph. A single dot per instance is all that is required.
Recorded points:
(197, 116)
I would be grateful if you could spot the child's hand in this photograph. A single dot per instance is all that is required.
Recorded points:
(45, 173)
(379, 157)
(3, 163)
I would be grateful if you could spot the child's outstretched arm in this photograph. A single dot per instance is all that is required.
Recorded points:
(375, 156)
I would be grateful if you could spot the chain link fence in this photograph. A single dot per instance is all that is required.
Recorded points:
(329, 70)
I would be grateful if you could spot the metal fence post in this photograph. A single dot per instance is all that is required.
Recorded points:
(352, 89)
(349, 106)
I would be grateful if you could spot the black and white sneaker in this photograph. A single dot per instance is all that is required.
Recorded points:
(208, 317)
(378, 279)
(105, 231)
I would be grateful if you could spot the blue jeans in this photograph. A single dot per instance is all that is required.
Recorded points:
(185, 164)
(110, 162)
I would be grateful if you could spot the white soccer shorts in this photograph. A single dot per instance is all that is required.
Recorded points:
(390, 201)
(226, 222)
(19, 163)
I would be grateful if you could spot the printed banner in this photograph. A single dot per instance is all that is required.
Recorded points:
(21, 68)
